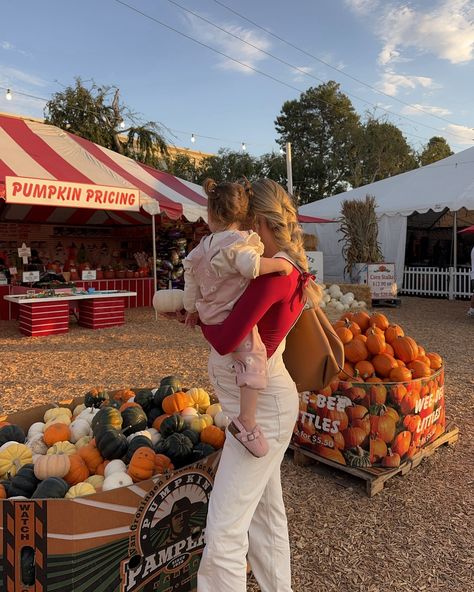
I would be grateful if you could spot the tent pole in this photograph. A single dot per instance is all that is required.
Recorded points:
(289, 170)
(153, 232)
(455, 241)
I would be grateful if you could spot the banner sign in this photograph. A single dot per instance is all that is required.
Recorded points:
(42, 192)
(381, 280)
(89, 274)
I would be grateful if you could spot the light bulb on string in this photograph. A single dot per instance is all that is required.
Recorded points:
(8, 95)
(282, 152)
(244, 147)
(122, 124)
(193, 138)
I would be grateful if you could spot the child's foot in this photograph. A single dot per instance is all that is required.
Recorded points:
(254, 441)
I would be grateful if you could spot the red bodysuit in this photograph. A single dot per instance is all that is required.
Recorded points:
(272, 302)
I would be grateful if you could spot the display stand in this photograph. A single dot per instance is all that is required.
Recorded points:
(44, 318)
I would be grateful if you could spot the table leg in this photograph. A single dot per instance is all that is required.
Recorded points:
(100, 313)
(44, 318)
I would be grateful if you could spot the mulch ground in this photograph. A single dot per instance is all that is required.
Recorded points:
(414, 536)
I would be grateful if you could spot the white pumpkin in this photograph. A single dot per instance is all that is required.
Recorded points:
(213, 409)
(155, 435)
(56, 412)
(145, 433)
(221, 420)
(78, 409)
(188, 413)
(339, 307)
(88, 414)
(354, 305)
(322, 304)
(116, 480)
(115, 466)
(7, 444)
(65, 419)
(36, 444)
(327, 298)
(18, 497)
(79, 428)
(168, 300)
(335, 291)
(347, 298)
(35, 428)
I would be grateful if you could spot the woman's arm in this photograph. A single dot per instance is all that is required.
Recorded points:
(261, 294)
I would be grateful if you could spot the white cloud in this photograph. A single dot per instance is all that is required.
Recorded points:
(10, 76)
(460, 134)
(299, 75)
(417, 109)
(391, 82)
(443, 28)
(230, 45)
(6, 45)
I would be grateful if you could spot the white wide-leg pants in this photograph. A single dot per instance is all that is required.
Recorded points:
(246, 511)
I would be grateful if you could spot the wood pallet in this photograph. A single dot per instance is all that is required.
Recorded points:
(375, 478)
(387, 302)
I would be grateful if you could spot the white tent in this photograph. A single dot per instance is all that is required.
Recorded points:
(446, 184)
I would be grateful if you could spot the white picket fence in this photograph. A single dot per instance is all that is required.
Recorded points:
(437, 281)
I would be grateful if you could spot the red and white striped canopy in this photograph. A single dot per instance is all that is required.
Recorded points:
(35, 150)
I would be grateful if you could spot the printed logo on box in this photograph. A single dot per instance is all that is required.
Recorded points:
(168, 533)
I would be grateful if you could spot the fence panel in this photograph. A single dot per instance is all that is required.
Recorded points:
(436, 281)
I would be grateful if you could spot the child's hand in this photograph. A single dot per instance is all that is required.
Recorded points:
(191, 319)
(286, 266)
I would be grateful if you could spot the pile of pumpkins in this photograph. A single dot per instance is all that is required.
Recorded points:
(110, 441)
(333, 299)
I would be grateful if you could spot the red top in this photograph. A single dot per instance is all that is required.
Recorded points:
(272, 302)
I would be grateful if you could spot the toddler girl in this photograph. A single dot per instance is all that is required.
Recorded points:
(216, 274)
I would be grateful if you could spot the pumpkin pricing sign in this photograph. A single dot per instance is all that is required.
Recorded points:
(363, 425)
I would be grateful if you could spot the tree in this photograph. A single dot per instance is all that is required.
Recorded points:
(380, 151)
(94, 114)
(183, 166)
(436, 149)
(323, 129)
(228, 165)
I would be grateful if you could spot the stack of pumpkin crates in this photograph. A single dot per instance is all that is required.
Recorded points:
(386, 404)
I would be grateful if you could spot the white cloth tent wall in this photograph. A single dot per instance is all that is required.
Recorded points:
(448, 183)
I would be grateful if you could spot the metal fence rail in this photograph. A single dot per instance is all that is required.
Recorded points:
(437, 281)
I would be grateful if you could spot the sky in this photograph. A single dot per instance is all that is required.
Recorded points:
(411, 62)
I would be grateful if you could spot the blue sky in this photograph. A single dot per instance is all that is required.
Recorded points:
(419, 52)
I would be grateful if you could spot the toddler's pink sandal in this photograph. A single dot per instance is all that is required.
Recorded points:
(254, 441)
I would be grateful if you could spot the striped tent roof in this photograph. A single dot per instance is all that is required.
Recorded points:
(36, 150)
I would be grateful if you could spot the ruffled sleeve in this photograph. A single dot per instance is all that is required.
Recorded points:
(242, 256)
(191, 286)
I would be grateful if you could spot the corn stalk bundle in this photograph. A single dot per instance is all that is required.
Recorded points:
(360, 232)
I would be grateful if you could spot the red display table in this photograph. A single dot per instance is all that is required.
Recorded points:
(40, 316)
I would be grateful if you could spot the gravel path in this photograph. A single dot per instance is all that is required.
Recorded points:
(414, 536)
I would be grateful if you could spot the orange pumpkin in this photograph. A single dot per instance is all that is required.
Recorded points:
(423, 359)
(365, 369)
(402, 442)
(162, 464)
(123, 395)
(377, 330)
(330, 453)
(91, 456)
(356, 351)
(159, 420)
(78, 471)
(127, 405)
(392, 460)
(383, 364)
(355, 393)
(347, 371)
(382, 426)
(400, 374)
(419, 370)
(353, 328)
(379, 320)
(377, 449)
(388, 350)
(142, 464)
(361, 337)
(335, 415)
(344, 334)
(338, 440)
(354, 437)
(411, 422)
(101, 468)
(421, 351)
(393, 414)
(405, 348)
(176, 402)
(377, 395)
(435, 360)
(362, 319)
(57, 432)
(375, 343)
(214, 436)
(409, 402)
(392, 332)
(375, 379)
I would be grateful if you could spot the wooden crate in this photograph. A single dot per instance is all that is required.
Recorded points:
(374, 477)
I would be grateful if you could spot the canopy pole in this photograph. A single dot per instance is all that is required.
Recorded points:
(153, 232)
(289, 170)
(455, 241)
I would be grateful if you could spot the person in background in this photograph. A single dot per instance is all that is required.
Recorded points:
(470, 312)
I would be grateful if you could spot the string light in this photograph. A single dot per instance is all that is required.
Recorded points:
(122, 124)
(8, 95)
(282, 151)
(193, 138)
(243, 146)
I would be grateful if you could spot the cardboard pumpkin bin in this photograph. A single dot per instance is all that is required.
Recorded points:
(147, 536)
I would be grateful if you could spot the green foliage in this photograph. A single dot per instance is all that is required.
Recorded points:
(436, 149)
(360, 232)
(94, 114)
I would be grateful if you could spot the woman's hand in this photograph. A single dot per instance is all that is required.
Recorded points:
(191, 319)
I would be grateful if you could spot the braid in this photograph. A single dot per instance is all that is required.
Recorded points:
(271, 201)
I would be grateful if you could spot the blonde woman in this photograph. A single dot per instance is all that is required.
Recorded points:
(246, 512)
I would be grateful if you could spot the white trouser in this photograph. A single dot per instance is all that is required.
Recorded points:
(246, 511)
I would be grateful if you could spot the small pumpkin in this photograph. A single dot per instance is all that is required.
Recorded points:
(378, 449)
(78, 470)
(10, 433)
(96, 397)
(144, 433)
(24, 482)
(192, 435)
(51, 487)
(401, 443)
(79, 428)
(35, 428)
(88, 414)
(419, 369)
(57, 432)
(80, 490)
(135, 444)
(111, 444)
(161, 393)
(382, 426)
(200, 422)
(52, 465)
(83, 441)
(200, 398)
(406, 348)
(383, 364)
(78, 409)
(91, 456)
(142, 464)
(116, 480)
(173, 381)
(62, 448)
(174, 423)
(375, 343)
(144, 397)
(128, 404)
(56, 412)
(400, 374)
(377, 394)
(221, 420)
(356, 351)
(107, 418)
(159, 420)
(134, 420)
(123, 395)
(114, 466)
(162, 464)
(64, 419)
(96, 481)
(365, 369)
(357, 457)
(13, 458)
(215, 436)
(37, 444)
(344, 334)
(176, 402)
(379, 320)
(353, 437)
(392, 460)
(392, 332)
(178, 448)
(362, 319)
(435, 360)
(188, 413)
(200, 451)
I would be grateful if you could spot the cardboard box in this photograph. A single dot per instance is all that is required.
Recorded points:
(148, 536)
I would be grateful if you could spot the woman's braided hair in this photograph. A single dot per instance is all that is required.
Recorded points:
(268, 200)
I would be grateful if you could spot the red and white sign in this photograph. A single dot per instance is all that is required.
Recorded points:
(36, 192)
(381, 280)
